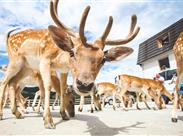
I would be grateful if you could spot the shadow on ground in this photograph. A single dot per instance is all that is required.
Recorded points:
(94, 125)
(180, 118)
(97, 127)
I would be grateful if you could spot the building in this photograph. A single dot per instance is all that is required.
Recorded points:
(156, 52)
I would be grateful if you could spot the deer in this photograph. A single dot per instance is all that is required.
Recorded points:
(62, 49)
(178, 97)
(37, 94)
(107, 89)
(37, 81)
(152, 89)
(34, 79)
(22, 102)
(95, 102)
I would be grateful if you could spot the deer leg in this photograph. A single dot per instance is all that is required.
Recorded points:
(181, 102)
(92, 103)
(103, 101)
(37, 108)
(63, 87)
(146, 104)
(175, 107)
(114, 101)
(143, 96)
(35, 99)
(12, 70)
(138, 100)
(41, 92)
(58, 101)
(150, 95)
(163, 103)
(6, 96)
(176, 98)
(159, 99)
(55, 101)
(97, 103)
(45, 71)
(13, 101)
(80, 109)
(56, 87)
(124, 90)
(22, 102)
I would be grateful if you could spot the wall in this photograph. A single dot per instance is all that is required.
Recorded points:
(151, 66)
(172, 61)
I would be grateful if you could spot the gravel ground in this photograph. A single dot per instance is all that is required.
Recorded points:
(107, 122)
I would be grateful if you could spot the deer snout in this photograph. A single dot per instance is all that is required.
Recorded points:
(84, 87)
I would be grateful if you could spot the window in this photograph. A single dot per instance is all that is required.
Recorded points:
(163, 40)
(168, 74)
(164, 63)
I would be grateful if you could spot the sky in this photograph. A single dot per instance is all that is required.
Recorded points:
(152, 17)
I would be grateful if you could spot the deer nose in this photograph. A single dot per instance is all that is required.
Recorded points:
(83, 87)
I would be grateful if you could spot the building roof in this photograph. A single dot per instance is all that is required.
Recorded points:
(149, 48)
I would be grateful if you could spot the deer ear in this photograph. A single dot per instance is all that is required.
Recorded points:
(118, 53)
(60, 37)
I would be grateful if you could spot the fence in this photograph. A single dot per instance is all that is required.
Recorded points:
(77, 101)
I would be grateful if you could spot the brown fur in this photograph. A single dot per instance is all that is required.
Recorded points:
(153, 89)
(108, 89)
(178, 51)
(55, 49)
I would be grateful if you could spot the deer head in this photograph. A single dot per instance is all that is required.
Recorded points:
(86, 59)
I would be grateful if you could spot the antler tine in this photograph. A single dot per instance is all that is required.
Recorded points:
(132, 34)
(82, 26)
(53, 12)
(56, 7)
(107, 30)
(133, 24)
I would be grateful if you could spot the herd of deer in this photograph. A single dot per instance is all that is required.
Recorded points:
(44, 57)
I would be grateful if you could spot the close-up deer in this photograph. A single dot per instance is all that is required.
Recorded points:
(178, 100)
(61, 49)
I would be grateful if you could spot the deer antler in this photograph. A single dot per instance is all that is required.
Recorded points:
(107, 30)
(53, 12)
(132, 34)
(82, 26)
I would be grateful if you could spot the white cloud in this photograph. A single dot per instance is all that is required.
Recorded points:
(152, 18)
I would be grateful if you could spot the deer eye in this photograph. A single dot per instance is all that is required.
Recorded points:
(103, 61)
(71, 102)
(71, 53)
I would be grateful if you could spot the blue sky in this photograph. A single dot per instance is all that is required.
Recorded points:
(153, 16)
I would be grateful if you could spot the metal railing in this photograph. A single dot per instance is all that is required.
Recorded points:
(77, 101)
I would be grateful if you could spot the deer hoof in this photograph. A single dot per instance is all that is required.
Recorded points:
(33, 108)
(114, 108)
(174, 120)
(80, 109)
(64, 115)
(48, 123)
(18, 115)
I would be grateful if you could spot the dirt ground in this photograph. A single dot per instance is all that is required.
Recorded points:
(107, 122)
